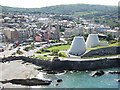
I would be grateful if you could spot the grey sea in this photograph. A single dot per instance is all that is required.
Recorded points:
(82, 80)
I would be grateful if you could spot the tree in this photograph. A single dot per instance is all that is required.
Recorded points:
(62, 29)
(109, 37)
(85, 36)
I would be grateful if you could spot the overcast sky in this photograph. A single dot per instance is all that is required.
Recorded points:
(44, 3)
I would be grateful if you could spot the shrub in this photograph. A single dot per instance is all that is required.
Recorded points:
(109, 37)
(46, 50)
(55, 52)
(113, 41)
(45, 55)
(19, 52)
(38, 52)
(62, 54)
(28, 48)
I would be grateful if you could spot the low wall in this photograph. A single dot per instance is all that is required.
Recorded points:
(103, 52)
(70, 65)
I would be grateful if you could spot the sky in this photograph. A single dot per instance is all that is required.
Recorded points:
(44, 3)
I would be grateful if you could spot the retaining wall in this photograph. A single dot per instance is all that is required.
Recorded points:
(70, 65)
(103, 51)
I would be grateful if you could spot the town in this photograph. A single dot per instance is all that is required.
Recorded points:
(35, 30)
(61, 46)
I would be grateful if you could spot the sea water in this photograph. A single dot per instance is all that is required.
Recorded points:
(82, 79)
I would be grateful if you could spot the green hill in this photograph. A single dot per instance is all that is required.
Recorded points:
(65, 9)
(101, 13)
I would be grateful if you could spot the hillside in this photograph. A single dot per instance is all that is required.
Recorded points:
(101, 14)
(65, 9)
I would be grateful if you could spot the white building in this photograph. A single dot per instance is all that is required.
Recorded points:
(92, 40)
(44, 20)
(68, 32)
(78, 46)
(78, 30)
(89, 30)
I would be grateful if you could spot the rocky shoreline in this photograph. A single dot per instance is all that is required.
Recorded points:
(28, 82)
(35, 81)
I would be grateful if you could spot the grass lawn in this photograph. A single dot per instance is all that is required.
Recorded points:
(60, 54)
(43, 57)
(60, 48)
(111, 45)
(115, 44)
(96, 56)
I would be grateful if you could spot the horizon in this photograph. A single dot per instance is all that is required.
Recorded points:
(40, 4)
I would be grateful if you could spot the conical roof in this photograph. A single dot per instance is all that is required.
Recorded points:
(78, 46)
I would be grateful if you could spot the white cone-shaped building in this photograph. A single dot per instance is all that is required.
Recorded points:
(92, 40)
(78, 46)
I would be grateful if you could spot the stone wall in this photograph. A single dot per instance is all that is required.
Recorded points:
(86, 65)
(103, 52)
(70, 65)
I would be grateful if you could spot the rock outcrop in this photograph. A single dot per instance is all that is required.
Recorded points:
(97, 73)
(28, 82)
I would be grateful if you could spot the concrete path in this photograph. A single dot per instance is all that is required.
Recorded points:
(88, 59)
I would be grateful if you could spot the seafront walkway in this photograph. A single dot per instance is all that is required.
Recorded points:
(88, 59)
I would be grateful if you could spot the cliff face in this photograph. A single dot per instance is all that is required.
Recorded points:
(103, 52)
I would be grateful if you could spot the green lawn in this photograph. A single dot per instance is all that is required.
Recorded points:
(43, 57)
(60, 48)
(111, 45)
(115, 44)
(66, 47)
(96, 56)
